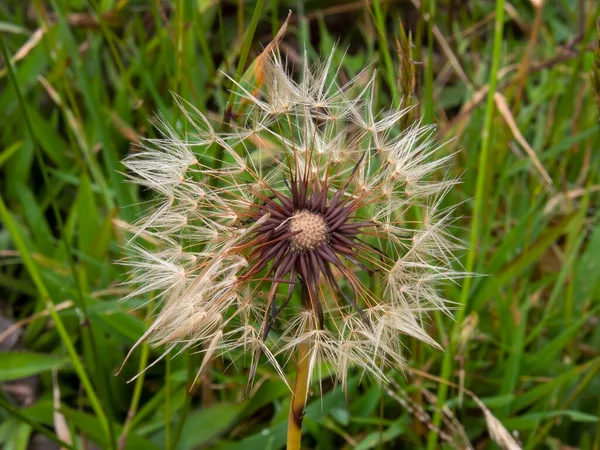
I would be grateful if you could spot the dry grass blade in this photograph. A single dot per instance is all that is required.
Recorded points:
(439, 36)
(31, 43)
(449, 420)
(504, 109)
(460, 121)
(454, 62)
(422, 416)
(257, 76)
(497, 431)
(25, 49)
(60, 423)
(21, 323)
(276, 40)
(570, 195)
(516, 16)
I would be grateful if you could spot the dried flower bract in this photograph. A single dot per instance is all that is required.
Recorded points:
(309, 190)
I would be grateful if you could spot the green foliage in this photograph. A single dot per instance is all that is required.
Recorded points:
(87, 77)
(17, 365)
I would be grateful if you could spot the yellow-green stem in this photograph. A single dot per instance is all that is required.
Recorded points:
(294, 435)
(294, 431)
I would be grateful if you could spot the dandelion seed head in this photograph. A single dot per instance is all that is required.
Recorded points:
(309, 191)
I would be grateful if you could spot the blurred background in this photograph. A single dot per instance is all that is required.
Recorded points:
(513, 87)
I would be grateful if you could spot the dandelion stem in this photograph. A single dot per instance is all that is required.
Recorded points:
(294, 434)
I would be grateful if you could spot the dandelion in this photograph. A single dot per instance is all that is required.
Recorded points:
(312, 217)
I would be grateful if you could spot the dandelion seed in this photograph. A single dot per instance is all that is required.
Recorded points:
(316, 195)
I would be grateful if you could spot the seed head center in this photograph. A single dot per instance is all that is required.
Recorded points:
(312, 231)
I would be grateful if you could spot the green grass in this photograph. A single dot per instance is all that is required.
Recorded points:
(88, 76)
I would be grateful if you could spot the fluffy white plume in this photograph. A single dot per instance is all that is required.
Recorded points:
(209, 184)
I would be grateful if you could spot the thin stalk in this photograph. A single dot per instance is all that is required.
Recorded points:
(294, 431)
(483, 176)
(294, 436)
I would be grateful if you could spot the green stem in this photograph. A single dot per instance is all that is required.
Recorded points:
(300, 392)
(483, 175)
(294, 436)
